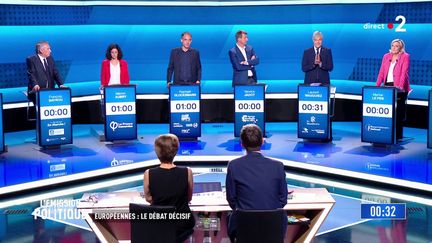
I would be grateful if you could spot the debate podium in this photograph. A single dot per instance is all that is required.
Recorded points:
(314, 112)
(379, 115)
(249, 107)
(53, 117)
(314, 203)
(120, 112)
(185, 111)
(3, 147)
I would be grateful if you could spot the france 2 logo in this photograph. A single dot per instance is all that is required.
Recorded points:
(400, 27)
(400, 19)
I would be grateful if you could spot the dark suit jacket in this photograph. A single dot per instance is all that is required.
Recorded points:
(240, 71)
(175, 66)
(314, 73)
(38, 76)
(254, 182)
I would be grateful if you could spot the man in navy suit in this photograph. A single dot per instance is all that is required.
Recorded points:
(253, 181)
(41, 71)
(317, 61)
(185, 63)
(243, 60)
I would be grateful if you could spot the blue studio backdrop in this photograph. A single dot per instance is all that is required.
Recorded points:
(120, 112)
(54, 123)
(358, 34)
(379, 115)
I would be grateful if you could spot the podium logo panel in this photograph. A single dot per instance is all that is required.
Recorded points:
(120, 113)
(249, 107)
(185, 111)
(313, 112)
(54, 117)
(378, 120)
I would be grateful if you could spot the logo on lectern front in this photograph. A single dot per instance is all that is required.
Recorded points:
(113, 125)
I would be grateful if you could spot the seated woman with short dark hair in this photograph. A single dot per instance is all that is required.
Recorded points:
(170, 185)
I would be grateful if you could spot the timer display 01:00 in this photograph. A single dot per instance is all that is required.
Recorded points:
(186, 106)
(121, 108)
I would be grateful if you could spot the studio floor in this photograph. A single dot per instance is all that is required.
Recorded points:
(30, 174)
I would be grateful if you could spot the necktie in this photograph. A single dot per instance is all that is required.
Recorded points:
(317, 56)
(46, 71)
(45, 64)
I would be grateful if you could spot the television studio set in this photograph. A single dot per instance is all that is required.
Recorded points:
(216, 121)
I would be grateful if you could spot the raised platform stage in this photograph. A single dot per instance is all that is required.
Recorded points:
(406, 165)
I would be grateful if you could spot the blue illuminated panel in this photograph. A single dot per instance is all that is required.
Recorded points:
(120, 112)
(2, 141)
(313, 110)
(359, 24)
(383, 211)
(54, 121)
(429, 137)
(185, 115)
(249, 107)
(379, 115)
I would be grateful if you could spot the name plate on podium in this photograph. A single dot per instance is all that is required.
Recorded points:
(54, 122)
(120, 112)
(2, 140)
(185, 115)
(249, 107)
(379, 115)
(313, 112)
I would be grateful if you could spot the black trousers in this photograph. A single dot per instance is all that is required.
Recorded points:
(400, 112)
(251, 80)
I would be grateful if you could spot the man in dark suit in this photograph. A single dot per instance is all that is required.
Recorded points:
(317, 61)
(243, 60)
(253, 181)
(185, 63)
(41, 71)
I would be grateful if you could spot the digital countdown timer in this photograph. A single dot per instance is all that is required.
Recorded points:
(383, 211)
(377, 110)
(249, 106)
(185, 106)
(55, 112)
(318, 107)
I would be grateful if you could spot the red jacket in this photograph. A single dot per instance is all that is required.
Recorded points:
(400, 71)
(105, 73)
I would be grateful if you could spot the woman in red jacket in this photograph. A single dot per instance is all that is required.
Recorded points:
(114, 68)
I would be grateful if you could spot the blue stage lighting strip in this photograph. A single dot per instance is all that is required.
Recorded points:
(195, 3)
(115, 182)
(369, 177)
(209, 97)
(402, 196)
(78, 176)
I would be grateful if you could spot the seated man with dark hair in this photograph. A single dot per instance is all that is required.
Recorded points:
(253, 181)
(169, 185)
